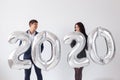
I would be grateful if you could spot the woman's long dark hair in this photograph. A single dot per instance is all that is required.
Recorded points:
(82, 30)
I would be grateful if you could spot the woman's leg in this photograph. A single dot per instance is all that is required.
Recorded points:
(78, 73)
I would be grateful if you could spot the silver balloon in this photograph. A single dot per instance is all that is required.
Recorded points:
(72, 59)
(55, 50)
(13, 60)
(109, 42)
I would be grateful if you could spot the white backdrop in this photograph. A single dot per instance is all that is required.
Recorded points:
(59, 17)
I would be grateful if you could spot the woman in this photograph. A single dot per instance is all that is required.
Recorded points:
(79, 27)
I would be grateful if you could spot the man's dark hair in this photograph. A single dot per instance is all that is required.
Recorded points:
(33, 21)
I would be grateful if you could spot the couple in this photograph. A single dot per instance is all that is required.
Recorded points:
(33, 25)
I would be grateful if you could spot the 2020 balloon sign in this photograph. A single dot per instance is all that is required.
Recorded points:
(16, 63)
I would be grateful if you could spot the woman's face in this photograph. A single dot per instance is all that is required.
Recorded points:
(77, 28)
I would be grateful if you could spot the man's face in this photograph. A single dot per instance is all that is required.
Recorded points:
(34, 26)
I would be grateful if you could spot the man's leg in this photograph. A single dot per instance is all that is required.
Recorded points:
(38, 73)
(27, 74)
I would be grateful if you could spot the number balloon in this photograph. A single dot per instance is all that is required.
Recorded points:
(55, 50)
(109, 42)
(13, 60)
(80, 43)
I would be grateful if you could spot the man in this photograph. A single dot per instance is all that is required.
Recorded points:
(33, 25)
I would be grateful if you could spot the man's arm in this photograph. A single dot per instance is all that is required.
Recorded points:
(20, 42)
(42, 47)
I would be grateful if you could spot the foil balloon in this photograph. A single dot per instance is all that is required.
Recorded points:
(55, 50)
(109, 43)
(72, 59)
(14, 58)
